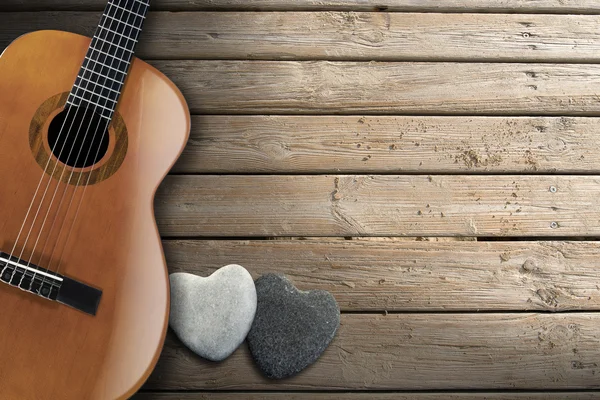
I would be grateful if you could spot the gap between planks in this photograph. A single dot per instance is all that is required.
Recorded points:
(446, 395)
(343, 36)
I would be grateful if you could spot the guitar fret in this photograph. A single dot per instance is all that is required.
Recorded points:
(108, 55)
(123, 8)
(97, 84)
(117, 33)
(95, 94)
(104, 65)
(113, 44)
(99, 74)
(123, 22)
(90, 102)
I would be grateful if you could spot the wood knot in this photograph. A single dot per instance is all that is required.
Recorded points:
(548, 296)
(335, 195)
(530, 266)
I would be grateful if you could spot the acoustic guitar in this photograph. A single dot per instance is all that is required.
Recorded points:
(87, 133)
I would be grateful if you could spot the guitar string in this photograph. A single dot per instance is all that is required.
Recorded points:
(67, 183)
(77, 134)
(45, 171)
(32, 202)
(89, 172)
(77, 109)
(136, 34)
(103, 127)
(35, 196)
(88, 54)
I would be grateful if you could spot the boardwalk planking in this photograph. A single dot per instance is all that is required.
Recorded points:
(368, 396)
(326, 87)
(417, 352)
(535, 6)
(343, 35)
(390, 205)
(390, 274)
(426, 145)
(420, 351)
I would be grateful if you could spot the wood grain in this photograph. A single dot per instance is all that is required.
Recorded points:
(453, 352)
(342, 35)
(427, 145)
(394, 205)
(535, 6)
(325, 87)
(389, 275)
(369, 396)
(417, 352)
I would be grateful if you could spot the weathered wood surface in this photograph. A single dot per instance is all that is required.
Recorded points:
(326, 87)
(427, 145)
(520, 6)
(369, 396)
(418, 352)
(390, 275)
(390, 205)
(342, 35)
(319, 63)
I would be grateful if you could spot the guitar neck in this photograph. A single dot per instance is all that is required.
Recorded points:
(108, 59)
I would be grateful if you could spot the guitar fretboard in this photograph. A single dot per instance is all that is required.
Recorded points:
(102, 75)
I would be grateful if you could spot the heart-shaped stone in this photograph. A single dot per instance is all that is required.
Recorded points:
(212, 316)
(291, 328)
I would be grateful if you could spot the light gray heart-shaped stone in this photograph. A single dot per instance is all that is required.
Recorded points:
(291, 328)
(212, 316)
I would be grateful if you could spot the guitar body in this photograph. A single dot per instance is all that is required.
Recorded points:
(110, 240)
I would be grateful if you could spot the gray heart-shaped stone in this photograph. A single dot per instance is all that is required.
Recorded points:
(291, 328)
(212, 316)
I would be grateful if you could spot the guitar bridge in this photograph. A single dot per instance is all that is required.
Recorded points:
(48, 285)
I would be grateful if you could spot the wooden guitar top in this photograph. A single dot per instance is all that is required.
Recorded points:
(49, 350)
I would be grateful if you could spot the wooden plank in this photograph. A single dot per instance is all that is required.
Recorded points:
(343, 35)
(391, 205)
(369, 396)
(535, 6)
(418, 352)
(325, 87)
(429, 145)
(389, 275)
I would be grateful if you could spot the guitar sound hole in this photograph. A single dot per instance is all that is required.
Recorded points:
(78, 137)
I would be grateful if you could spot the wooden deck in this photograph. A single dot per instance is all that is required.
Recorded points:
(434, 164)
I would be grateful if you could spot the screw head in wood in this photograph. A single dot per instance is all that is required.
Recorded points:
(554, 225)
(553, 189)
